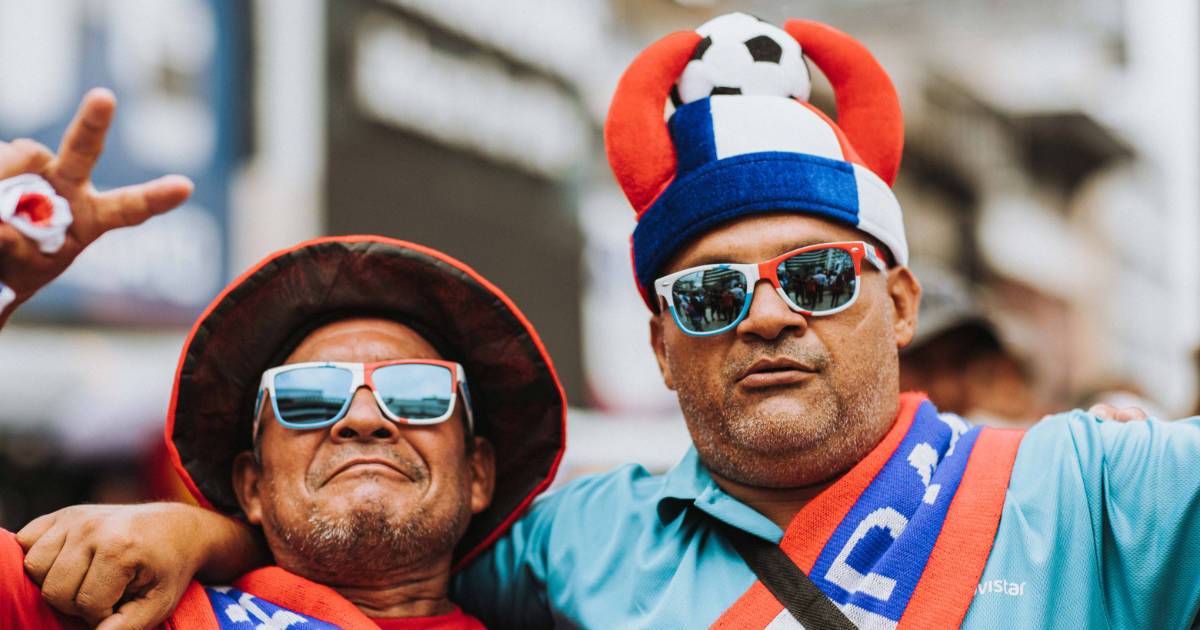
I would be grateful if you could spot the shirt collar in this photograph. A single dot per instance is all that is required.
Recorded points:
(689, 484)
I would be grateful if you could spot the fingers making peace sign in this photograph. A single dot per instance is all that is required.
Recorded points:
(24, 268)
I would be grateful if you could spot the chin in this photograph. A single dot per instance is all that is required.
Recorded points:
(374, 488)
(785, 422)
(780, 442)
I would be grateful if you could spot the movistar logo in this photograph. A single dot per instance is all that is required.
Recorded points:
(1001, 587)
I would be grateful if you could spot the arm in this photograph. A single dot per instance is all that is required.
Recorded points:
(1143, 493)
(23, 267)
(505, 586)
(129, 565)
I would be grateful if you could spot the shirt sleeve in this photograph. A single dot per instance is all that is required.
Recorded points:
(505, 587)
(1142, 479)
(21, 603)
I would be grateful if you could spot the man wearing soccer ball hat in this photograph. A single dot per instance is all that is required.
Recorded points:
(771, 251)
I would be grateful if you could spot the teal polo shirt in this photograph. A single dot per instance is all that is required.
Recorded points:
(1100, 529)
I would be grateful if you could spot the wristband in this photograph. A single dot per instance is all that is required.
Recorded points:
(29, 204)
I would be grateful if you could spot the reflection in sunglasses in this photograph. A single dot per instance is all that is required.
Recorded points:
(717, 296)
(818, 281)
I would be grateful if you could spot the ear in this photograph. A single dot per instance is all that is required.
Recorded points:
(483, 474)
(660, 348)
(905, 292)
(246, 477)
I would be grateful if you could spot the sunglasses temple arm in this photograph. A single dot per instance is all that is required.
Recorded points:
(258, 404)
(466, 395)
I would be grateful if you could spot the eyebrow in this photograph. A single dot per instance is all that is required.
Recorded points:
(714, 259)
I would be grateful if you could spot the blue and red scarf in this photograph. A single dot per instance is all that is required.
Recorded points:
(901, 540)
(267, 598)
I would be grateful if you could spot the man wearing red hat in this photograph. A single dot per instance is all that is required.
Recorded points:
(376, 408)
(817, 495)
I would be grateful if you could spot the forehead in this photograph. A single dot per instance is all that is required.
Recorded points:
(760, 237)
(364, 340)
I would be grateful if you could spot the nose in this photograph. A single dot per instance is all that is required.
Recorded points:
(364, 421)
(769, 315)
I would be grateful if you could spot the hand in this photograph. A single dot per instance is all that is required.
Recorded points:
(1106, 411)
(128, 566)
(23, 267)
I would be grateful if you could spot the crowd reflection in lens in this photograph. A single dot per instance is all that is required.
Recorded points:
(815, 281)
(711, 299)
(820, 280)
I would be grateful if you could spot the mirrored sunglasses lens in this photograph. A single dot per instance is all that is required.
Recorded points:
(312, 395)
(819, 280)
(709, 300)
(414, 391)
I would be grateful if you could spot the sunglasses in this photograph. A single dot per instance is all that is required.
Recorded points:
(815, 280)
(316, 395)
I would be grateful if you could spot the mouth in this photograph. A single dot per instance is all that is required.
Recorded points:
(775, 372)
(372, 465)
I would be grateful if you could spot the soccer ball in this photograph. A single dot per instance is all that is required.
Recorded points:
(741, 54)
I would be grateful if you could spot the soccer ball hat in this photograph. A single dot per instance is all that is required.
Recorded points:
(260, 318)
(743, 139)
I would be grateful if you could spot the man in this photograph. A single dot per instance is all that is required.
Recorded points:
(323, 398)
(807, 459)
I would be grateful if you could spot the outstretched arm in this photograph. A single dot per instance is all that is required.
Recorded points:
(128, 566)
(24, 268)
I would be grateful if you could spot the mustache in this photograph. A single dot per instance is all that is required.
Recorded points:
(815, 358)
(414, 470)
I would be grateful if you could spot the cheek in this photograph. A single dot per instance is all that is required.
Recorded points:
(441, 448)
(861, 343)
(694, 359)
(290, 461)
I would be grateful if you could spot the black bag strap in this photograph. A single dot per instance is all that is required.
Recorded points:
(795, 590)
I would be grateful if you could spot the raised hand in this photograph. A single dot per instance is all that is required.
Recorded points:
(24, 268)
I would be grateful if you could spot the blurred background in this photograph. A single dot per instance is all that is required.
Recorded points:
(1050, 187)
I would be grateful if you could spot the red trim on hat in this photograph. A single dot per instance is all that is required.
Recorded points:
(647, 297)
(173, 452)
(635, 135)
(867, 105)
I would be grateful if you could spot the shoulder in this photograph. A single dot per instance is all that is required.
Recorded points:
(621, 489)
(21, 603)
(1086, 439)
(587, 506)
(1077, 457)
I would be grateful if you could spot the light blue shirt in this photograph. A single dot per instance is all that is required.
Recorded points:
(1100, 529)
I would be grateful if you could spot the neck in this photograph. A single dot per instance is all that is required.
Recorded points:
(778, 504)
(420, 598)
(782, 503)
(417, 591)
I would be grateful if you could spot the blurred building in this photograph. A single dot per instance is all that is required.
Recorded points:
(1052, 163)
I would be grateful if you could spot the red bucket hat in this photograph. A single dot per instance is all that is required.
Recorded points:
(260, 318)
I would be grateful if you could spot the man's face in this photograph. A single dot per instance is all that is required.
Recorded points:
(364, 495)
(832, 391)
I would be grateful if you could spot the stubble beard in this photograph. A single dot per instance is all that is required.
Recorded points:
(839, 424)
(369, 543)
